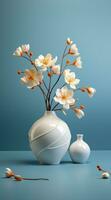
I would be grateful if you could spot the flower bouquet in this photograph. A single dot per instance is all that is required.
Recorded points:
(62, 99)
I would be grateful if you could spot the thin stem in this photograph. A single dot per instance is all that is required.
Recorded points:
(55, 106)
(29, 59)
(34, 179)
(59, 109)
(60, 70)
(45, 85)
(26, 58)
(44, 95)
(42, 90)
(48, 94)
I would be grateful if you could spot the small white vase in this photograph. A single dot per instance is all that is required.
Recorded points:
(49, 138)
(79, 150)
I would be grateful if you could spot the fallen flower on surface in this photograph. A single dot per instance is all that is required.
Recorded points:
(18, 178)
(99, 168)
(9, 173)
(105, 174)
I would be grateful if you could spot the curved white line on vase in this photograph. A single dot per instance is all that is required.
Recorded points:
(60, 152)
(68, 137)
(47, 132)
(42, 150)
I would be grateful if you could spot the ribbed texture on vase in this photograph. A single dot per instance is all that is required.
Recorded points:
(49, 146)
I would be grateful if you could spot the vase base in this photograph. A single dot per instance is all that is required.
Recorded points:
(45, 163)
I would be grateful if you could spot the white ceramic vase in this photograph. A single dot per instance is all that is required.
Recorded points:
(79, 150)
(49, 138)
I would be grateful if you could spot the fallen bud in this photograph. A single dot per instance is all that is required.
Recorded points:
(105, 175)
(18, 178)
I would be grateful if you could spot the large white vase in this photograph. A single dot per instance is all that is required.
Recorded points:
(49, 138)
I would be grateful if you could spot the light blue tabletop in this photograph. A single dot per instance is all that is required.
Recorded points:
(67, 181)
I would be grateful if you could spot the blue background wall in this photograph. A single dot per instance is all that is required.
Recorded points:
(45, 24)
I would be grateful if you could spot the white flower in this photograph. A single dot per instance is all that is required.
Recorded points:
(69, 41)
(91, 91)
(56, 69)
(32, 78)
(45, 61)
(25, 48)
(18, 52)
(79, 113)
(77, 62)
(73, 50)
(9, 173)
(65, 97)
(70, 78)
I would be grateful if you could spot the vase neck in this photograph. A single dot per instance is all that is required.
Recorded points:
(79, 137)
(49, 113)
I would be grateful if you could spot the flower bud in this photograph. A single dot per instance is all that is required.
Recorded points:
(67, 62)
(82, 107)
(50, 74)
(69, 41)
(31, 54)
(18, 178)
(99, 167)
(19, 72)
(32, 62)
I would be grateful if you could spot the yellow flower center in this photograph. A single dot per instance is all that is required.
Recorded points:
(64, 97)
(71, 80)
(30, 76)
(45, 61)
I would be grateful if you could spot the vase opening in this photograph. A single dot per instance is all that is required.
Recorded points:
(79, 136)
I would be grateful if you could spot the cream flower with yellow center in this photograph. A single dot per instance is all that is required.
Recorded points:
(70, 78)
(32, 78)
(64, 96)
(45, 61)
